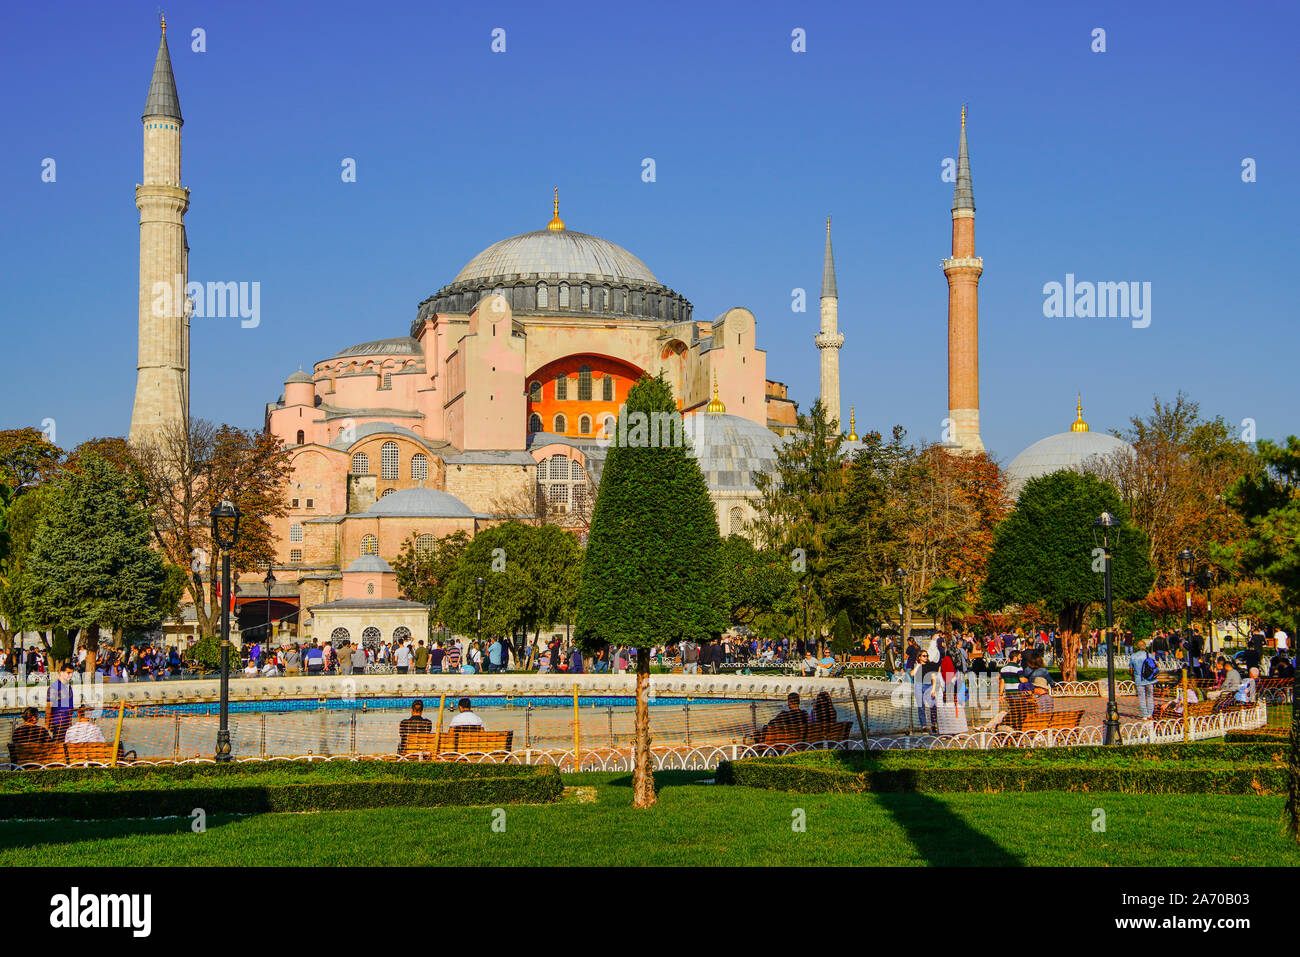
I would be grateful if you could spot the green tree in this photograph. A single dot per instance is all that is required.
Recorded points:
(755, 582)
(842, 640)
(1268, 499)
(946, 601)
(423, 570)
(22, 517)
(650, 575)
(1045, 552)
(91, 563)
(27, 458)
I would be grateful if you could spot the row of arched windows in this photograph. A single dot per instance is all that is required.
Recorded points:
(560, 424)
(390, 463)
(585, 390)
(370, 636)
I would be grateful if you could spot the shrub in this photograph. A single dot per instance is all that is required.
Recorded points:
(249, 788)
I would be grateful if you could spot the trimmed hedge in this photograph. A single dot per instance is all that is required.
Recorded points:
(1235, 769)
(162, 776)
(235, 793)
(1243, 737)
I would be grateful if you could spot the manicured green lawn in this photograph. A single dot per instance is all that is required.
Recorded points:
(700, 824)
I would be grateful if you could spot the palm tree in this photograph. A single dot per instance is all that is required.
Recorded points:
(946, 600)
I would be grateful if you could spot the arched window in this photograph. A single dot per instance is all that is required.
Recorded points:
(534, 423)
(559, 467)
(388, 461)
(543, 296)
(370, 637)
(369, 545)
(561, 426)
(584, 425)
(425, 544)
(370, 588)
(737, 520)
(386, 492)
(607, 389)
(584, 384)
(360, 464)
(586, 296)
(401, 633)
(576, 471)
(419, 466)
(534, 392)
(302, 437)
(561, 386)
(388, 381)
(611, 424)
(340, 634)
(564, 295)
(295, 533)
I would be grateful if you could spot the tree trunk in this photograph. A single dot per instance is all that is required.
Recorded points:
(643, 781)
(1068, 625)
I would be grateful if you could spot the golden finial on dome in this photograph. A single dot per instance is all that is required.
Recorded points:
(556, 223)
(853, 435)
(963, 116)
(716, 407)
(162, 21)
(1079, 425)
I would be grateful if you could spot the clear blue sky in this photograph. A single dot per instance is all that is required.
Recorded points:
(1115, 166)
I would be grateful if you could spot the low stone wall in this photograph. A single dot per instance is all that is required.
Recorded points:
(108, 695)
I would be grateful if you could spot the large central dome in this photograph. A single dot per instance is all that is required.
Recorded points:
(555, 272)
(558, 254)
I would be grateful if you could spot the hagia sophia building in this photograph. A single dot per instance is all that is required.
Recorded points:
(500, 399)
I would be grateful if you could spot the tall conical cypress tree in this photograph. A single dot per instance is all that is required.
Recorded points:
(650, 574)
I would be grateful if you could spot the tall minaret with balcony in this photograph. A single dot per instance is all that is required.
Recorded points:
(829, 339)
(162, 387)
(963, 270)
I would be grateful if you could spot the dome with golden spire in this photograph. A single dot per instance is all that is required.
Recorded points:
(1078, 449)
(853, 422)
(715, 406)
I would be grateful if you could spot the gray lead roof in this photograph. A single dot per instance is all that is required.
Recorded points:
(163, 100)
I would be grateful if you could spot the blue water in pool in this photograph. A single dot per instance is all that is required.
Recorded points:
(404, 704)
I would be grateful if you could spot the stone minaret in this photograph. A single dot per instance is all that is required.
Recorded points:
(162, 386)
(963, 270)
(829, 339)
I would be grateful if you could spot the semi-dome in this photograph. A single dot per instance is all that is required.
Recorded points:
(1075, 449)
(730, 449)
(421, 503)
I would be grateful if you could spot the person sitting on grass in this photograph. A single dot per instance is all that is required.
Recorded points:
(31, 731)
(792, 721)
(84, 731)
(417, 723)
(465, 718)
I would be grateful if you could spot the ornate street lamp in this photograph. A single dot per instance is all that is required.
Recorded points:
(1187, 565)
(269, 582)
(900, 575)
(225, 533)
(1104, 529)
(478, 615)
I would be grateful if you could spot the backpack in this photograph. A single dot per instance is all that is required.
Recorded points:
(1150, 671)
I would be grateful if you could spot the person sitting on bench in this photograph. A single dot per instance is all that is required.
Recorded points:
(823, 711)
(465, 718)
(792, 721)
(31, 731)
(84, 731)
(417, 723)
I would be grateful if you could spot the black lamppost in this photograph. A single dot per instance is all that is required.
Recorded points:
(225, 532)
(1187, 565)
(1106, 526)
(478, 615)
(900, 575)
(803, 589)
(269, 581)
(1209, 578)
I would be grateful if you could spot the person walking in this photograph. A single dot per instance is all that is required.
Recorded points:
(1145, 670)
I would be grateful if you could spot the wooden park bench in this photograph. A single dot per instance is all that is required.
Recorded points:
(429, 745)
(821, 731)
(1052, 721)
(59, 752)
